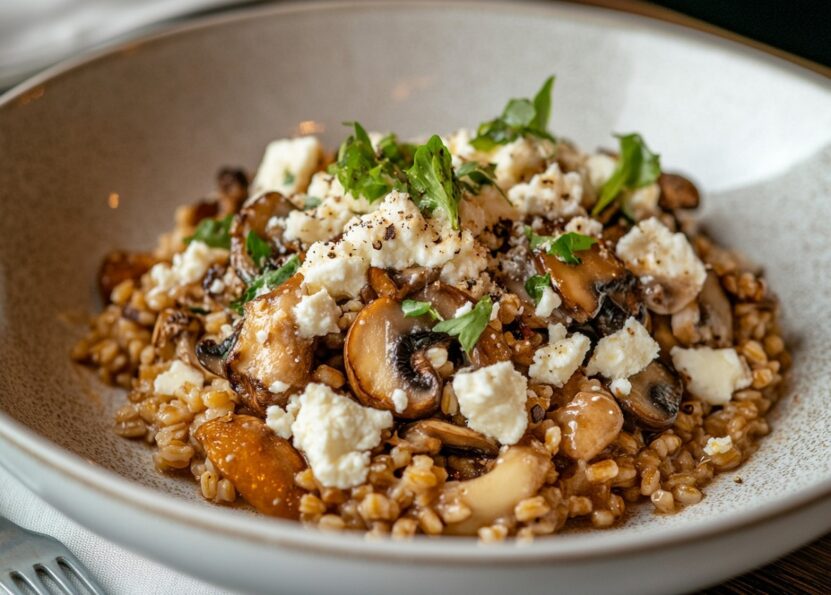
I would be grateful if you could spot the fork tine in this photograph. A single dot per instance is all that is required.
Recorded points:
(57, 574)
(30, 577)
(81, 572)
(7, 585)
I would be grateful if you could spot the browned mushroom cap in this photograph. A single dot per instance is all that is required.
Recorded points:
(654, 398)
(589, 423)
(446, 299)
(175, 335)
(212, 355)
(260, 464)
(600, 286)
(385, 352)
(253, 365)
(677, 192)
(433, 435)
(709, 319)
(254, 217)
(519, 473)
(119, 266)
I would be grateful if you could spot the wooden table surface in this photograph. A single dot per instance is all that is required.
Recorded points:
(805, 571)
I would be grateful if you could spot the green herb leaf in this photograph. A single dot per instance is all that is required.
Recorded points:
(536, 284)
(432, 183)
(213, 232)
(519, 118)
(472, 176)
(198, 310)
(288, 177)
(414, 309)
(311, 202)
(267, 280)
(563, 246)
(636, 167)
(363, 172)
(468, 327)
(257, 248)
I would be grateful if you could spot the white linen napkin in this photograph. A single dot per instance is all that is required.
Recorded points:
(119, 571)
(37, 33)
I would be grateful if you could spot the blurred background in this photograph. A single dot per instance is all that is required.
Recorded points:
(37, 33)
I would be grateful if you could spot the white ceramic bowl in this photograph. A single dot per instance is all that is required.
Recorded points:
(153, 120)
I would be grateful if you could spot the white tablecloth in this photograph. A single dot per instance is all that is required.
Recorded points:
(119, 571)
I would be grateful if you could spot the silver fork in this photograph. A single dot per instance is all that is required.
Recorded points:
(24, 555)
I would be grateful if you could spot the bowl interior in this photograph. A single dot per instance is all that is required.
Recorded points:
(154, 121)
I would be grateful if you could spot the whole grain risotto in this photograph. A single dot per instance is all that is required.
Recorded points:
(492, 333)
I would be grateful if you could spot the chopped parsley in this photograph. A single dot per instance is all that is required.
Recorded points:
(520, 117)
(536, 284)
(563, 246)
(258, 249)
(288, 177)
(266, 281)
(414, 309)
(213, 232)
(468, 327)
(432, 182)
(311, 202)
(636, 167)
(365, 173)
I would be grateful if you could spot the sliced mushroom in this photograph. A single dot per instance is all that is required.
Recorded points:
(677, 192)
(269, 349)
(708, 320)
(433, 435)
(600, 284)
(385, 352)
(260, 464)
(413, 279)
(119, 266)
(589, 423)
(255, 217)
(174, 335)
(519, 473)
(655, 397)
(233, 189)
(212, 355)
(381, 283)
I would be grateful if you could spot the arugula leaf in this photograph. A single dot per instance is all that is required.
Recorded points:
(398, 153)
(432, 183)
(257, 248)
(468, 327)
(536, 284)
(478, 175)
(362, 172)
(311, 202)
(267, 280)
(414, 309)
(520, 117)
(563, 246)
(213, 232)
(636, 167)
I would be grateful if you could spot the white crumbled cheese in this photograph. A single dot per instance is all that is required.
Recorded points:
(642, 202)
(624, 353)
(493, 401)
(335, 434)
(395, 236)
(551, 194)
(463, 309)
(652, 251)
(713, 374)
(549, 301)
(320, 224)
(327, 188)
(437, 356)
(556, 362)
(280, 420)
(287, 165)
(261, 336)
(316, 315)
(718, 446)
(217, 286)
(520, 159)
(494, 311)
(620, 387)
(176, 377)
(187, 267)
(585, 226)
(278, 387)
(400, 400)
(600, 168)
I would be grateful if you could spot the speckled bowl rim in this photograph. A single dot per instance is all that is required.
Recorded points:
(289, 534)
